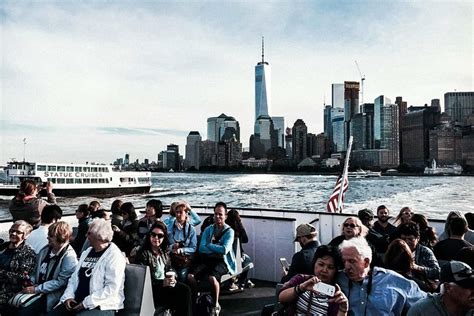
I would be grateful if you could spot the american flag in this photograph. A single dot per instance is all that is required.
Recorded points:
(333, 202)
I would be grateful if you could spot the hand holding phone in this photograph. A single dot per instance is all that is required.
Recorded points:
(284, 264)
(324, 289)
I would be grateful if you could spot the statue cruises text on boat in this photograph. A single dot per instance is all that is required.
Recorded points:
(76, 179)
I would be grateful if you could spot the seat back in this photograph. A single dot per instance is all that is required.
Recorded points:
(138, 292)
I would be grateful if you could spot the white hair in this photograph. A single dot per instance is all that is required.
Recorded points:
(360, 244)
(101, 229)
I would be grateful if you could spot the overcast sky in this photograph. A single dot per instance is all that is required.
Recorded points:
(91, 81)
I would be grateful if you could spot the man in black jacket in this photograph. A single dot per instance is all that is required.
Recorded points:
(302, 261)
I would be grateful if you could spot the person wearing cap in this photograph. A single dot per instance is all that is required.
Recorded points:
(301, 263)
(456, 296)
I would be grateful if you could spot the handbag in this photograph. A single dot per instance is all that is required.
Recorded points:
(24, 299)
(180, 261)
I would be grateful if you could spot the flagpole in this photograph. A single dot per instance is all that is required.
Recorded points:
(344, 174)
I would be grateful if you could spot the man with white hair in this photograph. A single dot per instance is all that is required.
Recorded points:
(375, 291)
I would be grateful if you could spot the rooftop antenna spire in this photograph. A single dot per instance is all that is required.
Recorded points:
(24, 149)
(263, 49)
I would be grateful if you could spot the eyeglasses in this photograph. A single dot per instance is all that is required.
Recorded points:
(159, 235)
(18, 232)
(350, 225)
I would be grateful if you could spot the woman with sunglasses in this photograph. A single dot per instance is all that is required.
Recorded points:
(167, 292)
(404, 216)
(17, 263)
(350, 228)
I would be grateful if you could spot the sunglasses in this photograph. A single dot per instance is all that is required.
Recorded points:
(350, 225)
(159, 235)
(18, 232)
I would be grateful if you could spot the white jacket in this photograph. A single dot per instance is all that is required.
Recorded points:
(107, 281)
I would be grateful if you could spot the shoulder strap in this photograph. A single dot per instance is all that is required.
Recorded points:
(59, 257)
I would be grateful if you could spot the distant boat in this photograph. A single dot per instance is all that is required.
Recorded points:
(364, 174)
(76, 179)
(171, 170)
(448, 170)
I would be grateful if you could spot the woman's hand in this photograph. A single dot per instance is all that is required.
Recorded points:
(309, 284)
(70, 303)
(340, 299)
(29, 290)
(49, 187)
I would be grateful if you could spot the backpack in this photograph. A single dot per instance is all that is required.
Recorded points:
(204, 305)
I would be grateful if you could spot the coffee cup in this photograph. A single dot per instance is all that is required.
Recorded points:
(171, 278)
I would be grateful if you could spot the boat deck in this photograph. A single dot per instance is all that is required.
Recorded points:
(250, 301)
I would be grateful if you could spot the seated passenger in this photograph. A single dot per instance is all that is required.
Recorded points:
(426, 264)
(377, 240)
(427, 234)
(382, 225)
(27, 206)
(448, 248)
(166, 292)
(302, 261)
(216, 255)
(234, 221)
(96, 286)
(298, 292)
(457, 293)
(373, 291)
(404, 216)
(194, 218)
(38, 238)
(17, 263)
(116, 216)
(469, 236)
(182, 241)
(126, 237)
(399, 258)
(153, 211)
(54, 265)
(82, 215)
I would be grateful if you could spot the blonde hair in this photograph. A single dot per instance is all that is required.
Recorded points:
(61, 231)
(363, 230)
(25, 224)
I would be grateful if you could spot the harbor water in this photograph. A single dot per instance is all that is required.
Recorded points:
(431, 196)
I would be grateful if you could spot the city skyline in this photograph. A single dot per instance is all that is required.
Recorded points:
(81, 87)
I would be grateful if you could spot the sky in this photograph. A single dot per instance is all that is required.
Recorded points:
(93, 80)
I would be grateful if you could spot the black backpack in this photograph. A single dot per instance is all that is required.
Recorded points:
(204, 305)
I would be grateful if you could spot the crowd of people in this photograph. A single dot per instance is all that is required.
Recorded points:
(382, 269)
(372, 268)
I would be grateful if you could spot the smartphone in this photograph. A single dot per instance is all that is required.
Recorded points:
(325, 289)
(284, 264)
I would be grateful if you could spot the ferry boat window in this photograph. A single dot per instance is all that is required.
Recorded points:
(86, 180)
(70, 169)
(52, 180)
(61, 180)
(77, 180)
(107, 180)
(101, 180)
(61, 168)
(78, 169)
(41, 168)
(94, 180)
(94, 169)
(69, 180)
(51, 168)
(87, 169)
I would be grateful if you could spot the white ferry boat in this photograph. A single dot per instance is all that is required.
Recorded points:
(364, 174)
(447, 170)
(76, 179)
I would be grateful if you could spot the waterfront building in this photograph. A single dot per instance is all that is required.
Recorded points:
(327, 121)
(262, 89)
(279, 127)
(337, 93)
(402, 110)
(257, 163)
(193, 150)
(126, 161)
(370, 158)
(289, 143)
(310, 144)
(266, 139)
(229, 153)
(415, 135)
(459, 105)
(171, 157)
(351, 107)
(299, 133)
(379, 103)
(467, 145)
(445, 142)
(390, 134)
(218, 126)
(361, 128)
(321, 146)
(209, 153)
(338, 135)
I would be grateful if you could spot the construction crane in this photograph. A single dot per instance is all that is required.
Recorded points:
(362, 79)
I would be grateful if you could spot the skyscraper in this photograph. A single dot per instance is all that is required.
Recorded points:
(337, 125)
(262, 89)
(222, 125)
(351, 107)
(459, 105)
(279, 126)
(193, 150)
(337, 90)
(300, 132)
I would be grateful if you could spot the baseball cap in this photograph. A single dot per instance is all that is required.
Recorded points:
(365, 213)
(305, 230)
(459, 273)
